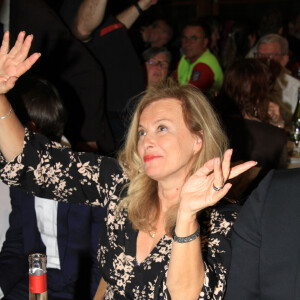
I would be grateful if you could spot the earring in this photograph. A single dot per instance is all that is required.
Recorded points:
(255, 112)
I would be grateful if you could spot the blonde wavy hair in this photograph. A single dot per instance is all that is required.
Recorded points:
(142, 201)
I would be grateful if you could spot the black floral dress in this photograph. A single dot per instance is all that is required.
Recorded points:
(51, 171)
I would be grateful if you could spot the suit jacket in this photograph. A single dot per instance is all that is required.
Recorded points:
(78, 233)
(265, 241)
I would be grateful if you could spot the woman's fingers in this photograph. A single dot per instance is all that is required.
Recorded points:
(226, 163)
(218, 181)
(207, 168)
(14, 63)
(24, 49)
(18, 45)
(221, 172)
(239, 169)
(27, 64)
(218, 195)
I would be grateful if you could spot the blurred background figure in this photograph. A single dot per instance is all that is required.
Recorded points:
(67, 233)
(243, 105)
(198, 66)
(275, 47)
(157, 65)
(293, 37)
(271, 22)
(240, 40)
(74, 72)
(157, 34)
(214, 27)
(157, 61)
(107, 38)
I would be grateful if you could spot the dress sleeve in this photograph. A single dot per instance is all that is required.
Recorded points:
(49, 170)
(216, 227)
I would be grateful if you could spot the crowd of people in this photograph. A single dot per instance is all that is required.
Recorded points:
(156, 146)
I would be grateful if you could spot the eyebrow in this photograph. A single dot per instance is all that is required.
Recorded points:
(157, 121)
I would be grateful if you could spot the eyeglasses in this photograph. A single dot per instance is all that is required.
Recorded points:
(155, 62)
(267, 55)
(192, 39)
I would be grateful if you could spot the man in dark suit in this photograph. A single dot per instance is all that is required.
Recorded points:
(265, 241)
(68, 233)
(78, 231)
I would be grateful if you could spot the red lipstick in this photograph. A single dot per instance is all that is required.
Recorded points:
(149, 157)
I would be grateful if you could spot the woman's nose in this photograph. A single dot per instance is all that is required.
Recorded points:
(148, 140)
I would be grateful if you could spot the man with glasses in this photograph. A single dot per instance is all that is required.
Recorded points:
(198, 66)
(275, 47)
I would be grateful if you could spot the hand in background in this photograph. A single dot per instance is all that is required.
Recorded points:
(145, 4)
(275, 116)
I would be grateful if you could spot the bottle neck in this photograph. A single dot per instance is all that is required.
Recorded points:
(296, 116)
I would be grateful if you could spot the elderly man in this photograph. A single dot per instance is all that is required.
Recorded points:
(275, 47)
(198, 66)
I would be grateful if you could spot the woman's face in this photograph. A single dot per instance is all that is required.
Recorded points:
(157, 68)
(166, 146)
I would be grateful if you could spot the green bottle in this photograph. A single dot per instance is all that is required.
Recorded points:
(296, 116)
(296, 123)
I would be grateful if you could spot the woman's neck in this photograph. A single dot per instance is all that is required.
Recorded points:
(168, 196)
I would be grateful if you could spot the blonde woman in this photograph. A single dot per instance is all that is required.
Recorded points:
(165, 234)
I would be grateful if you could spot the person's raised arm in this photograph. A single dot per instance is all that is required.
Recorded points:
(89, 16)
(13, 64)
(128, 16)
(205, 188)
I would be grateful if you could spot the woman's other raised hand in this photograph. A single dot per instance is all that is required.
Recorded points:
(14, 62)
(208, 185)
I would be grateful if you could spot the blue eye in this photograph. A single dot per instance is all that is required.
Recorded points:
(141, 132)
(162, 128)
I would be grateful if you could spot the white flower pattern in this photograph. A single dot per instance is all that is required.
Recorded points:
(51, 171)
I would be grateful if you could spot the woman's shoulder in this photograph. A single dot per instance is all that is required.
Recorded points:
(266, 127)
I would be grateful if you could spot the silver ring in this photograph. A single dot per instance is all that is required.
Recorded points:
(217, 189)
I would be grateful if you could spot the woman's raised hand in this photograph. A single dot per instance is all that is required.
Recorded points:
(208, 185)
(14, 63)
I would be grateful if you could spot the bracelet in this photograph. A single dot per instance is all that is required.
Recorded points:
(10, 110)
(185, 239)
(138, 8)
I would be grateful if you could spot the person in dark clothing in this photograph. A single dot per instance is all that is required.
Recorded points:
(243, 106)
(265, 243)
(75, 73)
(67, 233)
(107, 39)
